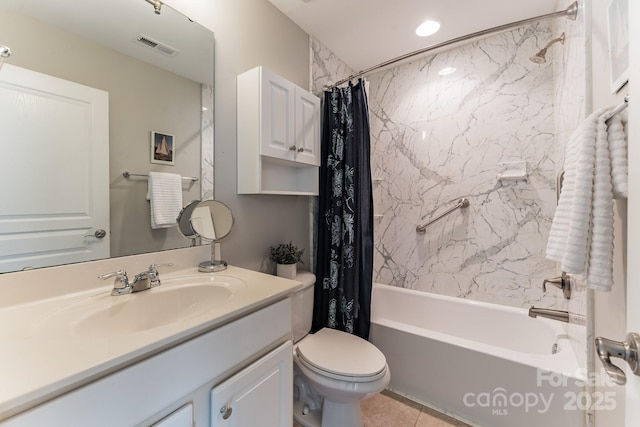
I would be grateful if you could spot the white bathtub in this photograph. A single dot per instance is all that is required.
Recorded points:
(486, 364)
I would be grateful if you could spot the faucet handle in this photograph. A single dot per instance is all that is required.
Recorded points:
(120, 284)
(561, 282)
(153, 268)
(154, 275)
(120, 275)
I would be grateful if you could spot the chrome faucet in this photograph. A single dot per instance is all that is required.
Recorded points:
(141, 282)
(559, 315)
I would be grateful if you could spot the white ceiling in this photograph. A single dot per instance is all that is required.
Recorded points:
(364, 33)
(117, 23)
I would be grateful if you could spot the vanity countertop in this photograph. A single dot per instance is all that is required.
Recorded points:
(45, 353)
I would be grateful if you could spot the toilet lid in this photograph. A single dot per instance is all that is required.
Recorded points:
(340, 354)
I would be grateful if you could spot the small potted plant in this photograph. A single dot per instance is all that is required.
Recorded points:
(286, 256)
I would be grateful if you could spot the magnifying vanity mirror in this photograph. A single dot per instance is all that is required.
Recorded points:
(211, 221)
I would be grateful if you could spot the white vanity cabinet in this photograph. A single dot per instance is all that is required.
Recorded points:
(183, 417)
(278, 130)
(253, 397)
(246, 364)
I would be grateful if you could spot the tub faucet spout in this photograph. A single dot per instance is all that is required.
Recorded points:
(559, 315)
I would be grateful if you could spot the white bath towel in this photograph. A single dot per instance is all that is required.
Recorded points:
(599, 266)
(617, 131)
(581, 235)
(165, 197)
(569, 232)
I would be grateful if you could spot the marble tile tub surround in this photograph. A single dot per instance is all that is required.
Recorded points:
(327, 68)
(436, 139)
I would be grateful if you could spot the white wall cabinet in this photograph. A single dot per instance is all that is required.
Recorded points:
(278, 135)
(173, 388)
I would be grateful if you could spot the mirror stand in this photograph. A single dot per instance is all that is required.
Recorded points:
(215, 264)
(211, 221)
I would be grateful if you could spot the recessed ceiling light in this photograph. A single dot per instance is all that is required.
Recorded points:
(447, 70)
(428, 28)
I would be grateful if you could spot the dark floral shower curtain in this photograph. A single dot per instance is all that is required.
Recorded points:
(345, 215)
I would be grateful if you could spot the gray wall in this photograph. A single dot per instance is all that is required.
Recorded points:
(250, 33)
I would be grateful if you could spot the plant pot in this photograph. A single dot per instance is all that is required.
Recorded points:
(288, 271)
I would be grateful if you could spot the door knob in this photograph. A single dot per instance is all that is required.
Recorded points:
(99, 234)
(626, 350)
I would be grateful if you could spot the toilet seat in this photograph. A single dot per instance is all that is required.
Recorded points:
(324, 353)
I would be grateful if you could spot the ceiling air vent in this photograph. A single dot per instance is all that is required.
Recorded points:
(156, 45)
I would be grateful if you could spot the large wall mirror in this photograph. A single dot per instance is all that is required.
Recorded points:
(153, 72)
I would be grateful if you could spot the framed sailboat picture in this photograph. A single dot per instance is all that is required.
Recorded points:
(163, 147)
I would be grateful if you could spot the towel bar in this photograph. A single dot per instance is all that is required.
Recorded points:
(619, 108)
(128, 174)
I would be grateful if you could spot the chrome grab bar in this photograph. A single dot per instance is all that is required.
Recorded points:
(462, 203)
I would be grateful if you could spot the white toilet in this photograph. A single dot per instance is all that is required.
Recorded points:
(332, 370)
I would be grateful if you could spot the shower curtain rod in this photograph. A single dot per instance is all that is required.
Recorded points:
(570, 13)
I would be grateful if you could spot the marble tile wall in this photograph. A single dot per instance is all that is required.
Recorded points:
(207, 135)
(436, 139)
(327, 68)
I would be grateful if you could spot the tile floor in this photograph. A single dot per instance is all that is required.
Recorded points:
(388, 409)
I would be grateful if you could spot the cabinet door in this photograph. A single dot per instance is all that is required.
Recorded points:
(307, 127)
(260, 395)
(183, 417)
(277, 116)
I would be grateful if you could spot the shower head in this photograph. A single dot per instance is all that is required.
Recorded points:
(539, 58)
(157, 5)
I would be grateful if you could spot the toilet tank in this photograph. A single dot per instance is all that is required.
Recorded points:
(302, 305)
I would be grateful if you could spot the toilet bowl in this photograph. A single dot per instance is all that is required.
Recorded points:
(333, 370)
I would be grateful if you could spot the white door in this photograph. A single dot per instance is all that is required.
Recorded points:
(307, 125)
(632, 417)
(61, 130)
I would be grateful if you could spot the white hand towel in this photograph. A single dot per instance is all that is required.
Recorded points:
(165, 197)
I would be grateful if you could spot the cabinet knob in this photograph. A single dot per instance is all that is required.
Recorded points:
(300, 150)
(292, 148)
(226, 411)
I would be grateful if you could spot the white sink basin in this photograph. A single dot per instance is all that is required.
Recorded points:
(176, 300)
